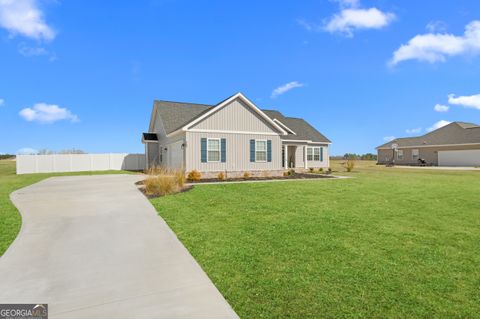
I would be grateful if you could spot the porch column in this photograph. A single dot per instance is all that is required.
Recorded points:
(305, 156)
(286, 156)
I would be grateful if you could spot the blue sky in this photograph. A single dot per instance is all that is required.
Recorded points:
(84, 74)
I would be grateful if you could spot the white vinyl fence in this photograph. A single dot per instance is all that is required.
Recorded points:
(58, 163)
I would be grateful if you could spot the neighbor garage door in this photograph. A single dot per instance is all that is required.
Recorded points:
(459, 158)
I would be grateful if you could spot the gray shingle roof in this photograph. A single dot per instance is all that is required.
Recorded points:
(453, 133)
(174, 115)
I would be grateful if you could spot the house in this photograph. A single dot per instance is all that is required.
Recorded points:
(233, 136)
(456, 144)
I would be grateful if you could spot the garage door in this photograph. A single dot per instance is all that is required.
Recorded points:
(459, 158)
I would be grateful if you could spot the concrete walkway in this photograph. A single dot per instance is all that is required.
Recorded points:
(94, 247)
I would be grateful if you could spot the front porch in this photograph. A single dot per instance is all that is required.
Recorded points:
(304, 156)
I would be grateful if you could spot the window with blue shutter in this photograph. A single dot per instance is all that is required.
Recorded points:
(203, 149)
(252, 150)
(223, 143)
(269, 151)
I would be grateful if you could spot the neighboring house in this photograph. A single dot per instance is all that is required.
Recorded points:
(456, 144)
(234, 136)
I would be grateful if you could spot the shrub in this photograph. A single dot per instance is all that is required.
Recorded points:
(329, 171)
(291, 172)
(221, 176)
(349, 165)
(320, 170)
(311, 169)
(285, 174)
(246, 175)
(194, 176)
(159, 185)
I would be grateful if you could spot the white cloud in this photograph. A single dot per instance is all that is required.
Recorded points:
(441, 108)
(413, 130)
(27, 151)
(2, 102)
(436, 26)
(285, 88)
(438, 125)
(351, 19)
(436, 47)
(47, 113)
(25, 18)
(27, 51)
(472, 101)
(388, 138)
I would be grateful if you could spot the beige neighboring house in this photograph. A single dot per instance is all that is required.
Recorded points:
(456, 144)
(233, 136)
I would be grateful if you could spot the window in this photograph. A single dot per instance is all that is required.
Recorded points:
(316, 153)
(213, 150)
(400, 155)
(415, 155)
(313, 153)
(260, 151)
(309, 154)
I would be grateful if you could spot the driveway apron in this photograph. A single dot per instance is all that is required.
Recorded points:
(94, 247)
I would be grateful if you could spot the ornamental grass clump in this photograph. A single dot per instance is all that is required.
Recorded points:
(162, 181)
(349, 165)
(160, 185)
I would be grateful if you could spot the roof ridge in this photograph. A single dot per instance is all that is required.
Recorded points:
(178, 102)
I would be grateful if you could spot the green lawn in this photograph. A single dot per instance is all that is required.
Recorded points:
(10, 219)
(390, 243)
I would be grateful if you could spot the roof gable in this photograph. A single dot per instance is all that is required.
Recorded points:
(227, 102)
(235, 116)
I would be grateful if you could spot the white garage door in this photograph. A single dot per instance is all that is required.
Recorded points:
(459, 158)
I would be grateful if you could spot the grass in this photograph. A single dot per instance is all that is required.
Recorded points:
(390, 243)
(10, 219)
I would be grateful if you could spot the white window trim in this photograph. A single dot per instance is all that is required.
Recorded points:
(398, 155)
(309, 148)
(418, 154)
(266, 151)
(313, 153)
(219, 150)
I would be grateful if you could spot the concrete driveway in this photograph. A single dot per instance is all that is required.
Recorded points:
(94, 247)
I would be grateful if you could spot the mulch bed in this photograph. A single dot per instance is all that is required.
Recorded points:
(269, 178)
(186, 188)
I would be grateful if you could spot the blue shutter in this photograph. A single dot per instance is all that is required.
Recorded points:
(321, 154)
(223, 150)
(269, 150)
(252, 150)
(203, 149)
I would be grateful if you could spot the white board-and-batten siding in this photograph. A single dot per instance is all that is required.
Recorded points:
(235, 116)
(237, 153)
(237, 123)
